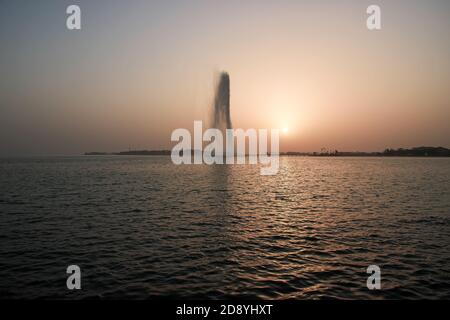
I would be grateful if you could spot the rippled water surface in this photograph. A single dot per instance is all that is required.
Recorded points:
(141, 227)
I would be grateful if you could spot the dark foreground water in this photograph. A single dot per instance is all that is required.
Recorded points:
(140, 227)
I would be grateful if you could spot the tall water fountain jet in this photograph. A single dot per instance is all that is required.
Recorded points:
(222, 119)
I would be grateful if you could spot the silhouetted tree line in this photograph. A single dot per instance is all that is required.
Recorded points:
(418, 152)
(414, 152)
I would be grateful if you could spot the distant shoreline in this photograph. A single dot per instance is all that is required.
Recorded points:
(414, 152)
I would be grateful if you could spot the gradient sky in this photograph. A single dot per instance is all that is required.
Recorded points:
(139, 69)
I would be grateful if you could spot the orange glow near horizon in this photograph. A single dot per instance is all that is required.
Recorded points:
(311, 67)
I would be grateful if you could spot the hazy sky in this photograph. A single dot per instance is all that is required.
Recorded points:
(139, 69)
